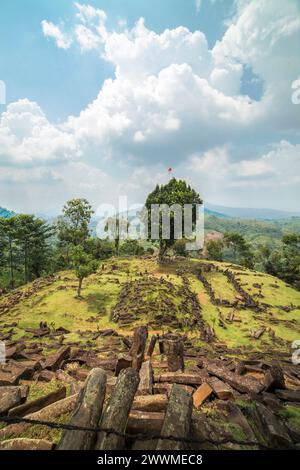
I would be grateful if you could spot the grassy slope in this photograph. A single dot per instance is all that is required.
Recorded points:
(57, 304)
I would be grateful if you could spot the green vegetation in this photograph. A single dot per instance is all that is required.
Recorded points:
(257, 232)
(31, 248)
(43, 432)
(176, 193)
(40, 389)
(56, 303)
(73, 225)
(165, 292)
(24, 249)
(292, 414)
(83, 264)
(282, 261)
(214, 249)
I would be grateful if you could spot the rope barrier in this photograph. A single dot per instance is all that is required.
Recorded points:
(139, 436)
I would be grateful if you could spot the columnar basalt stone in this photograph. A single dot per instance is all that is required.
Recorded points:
(116, 413)
(146, 379)
(177, 420)
(201, 394)
(26, 444)
(274, 378)
(54, 361)
(150, 403)
(175, 355)
(10, 398)
(152, 345)
(124, 361)
(87, 413)
(244, 384)
(17, 296)
(39, 403)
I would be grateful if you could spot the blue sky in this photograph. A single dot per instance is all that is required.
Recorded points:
(64, 84)
(103, 96)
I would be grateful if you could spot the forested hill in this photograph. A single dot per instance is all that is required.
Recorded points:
(258, 231)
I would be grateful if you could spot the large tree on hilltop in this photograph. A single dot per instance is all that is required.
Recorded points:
(175, 192)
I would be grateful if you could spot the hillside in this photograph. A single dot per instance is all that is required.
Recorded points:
(253, 213)
(232, 323)
(128, 292)
(255, 231)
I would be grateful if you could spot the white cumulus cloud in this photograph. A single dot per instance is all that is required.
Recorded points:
(171, 97)
(63, 41)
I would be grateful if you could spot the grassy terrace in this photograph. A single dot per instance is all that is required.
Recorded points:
(57, 304)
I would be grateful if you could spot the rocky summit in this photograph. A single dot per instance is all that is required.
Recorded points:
(194, 349)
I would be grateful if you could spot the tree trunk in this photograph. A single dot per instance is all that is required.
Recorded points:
(162, 250)
(87, 413)
(25, 262)
(117, 245)
(12, 281)
(79, 287)
(116, 413)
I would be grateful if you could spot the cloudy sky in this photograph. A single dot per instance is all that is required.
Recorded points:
(102, 97)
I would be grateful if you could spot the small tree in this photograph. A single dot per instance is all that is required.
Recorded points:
(83, 264)
(290, 271)
(132, 248)
(214, 250)
(99, 249)
(241, 249)
(117, 227)
(179, 247)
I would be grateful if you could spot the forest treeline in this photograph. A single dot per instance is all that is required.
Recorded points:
(31, 247)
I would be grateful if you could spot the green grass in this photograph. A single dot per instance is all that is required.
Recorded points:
(235, 431)
(222, 288)
(40, 389)
(43, 432)
(292, 414)
(281, 295)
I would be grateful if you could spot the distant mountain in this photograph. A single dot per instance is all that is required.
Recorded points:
(215, 213)
(222, 212)
(6, 214)
(250, 213)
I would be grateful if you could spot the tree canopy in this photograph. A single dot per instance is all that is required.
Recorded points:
(175, 192)
(73, 225)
